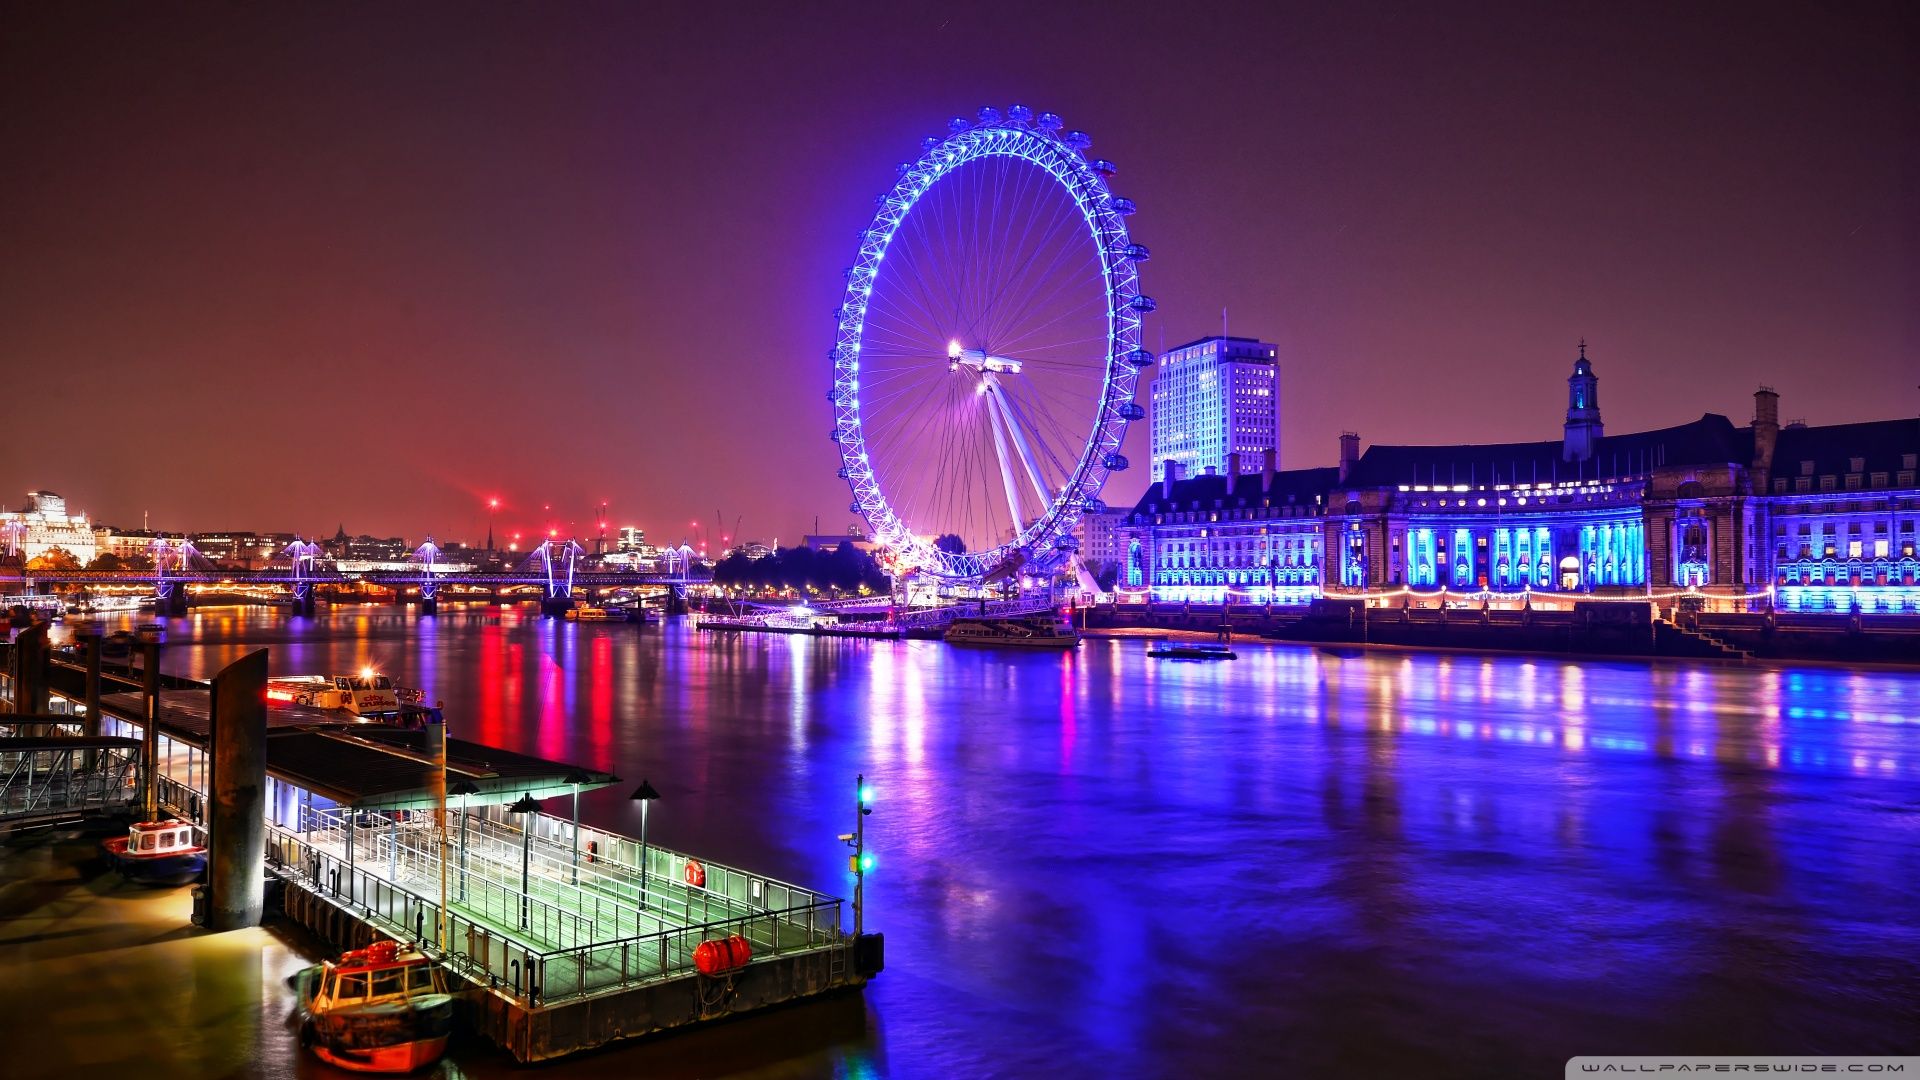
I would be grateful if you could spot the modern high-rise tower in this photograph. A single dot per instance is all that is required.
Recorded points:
(1215, 397)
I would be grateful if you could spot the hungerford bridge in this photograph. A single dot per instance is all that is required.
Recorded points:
(554, 567)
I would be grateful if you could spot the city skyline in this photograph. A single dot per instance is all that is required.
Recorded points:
(517, 262)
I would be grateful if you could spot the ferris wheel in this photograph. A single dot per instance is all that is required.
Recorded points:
(988, 348)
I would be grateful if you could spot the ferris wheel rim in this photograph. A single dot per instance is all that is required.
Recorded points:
(1061, 155)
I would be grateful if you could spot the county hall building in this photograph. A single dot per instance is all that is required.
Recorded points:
(1795, 517)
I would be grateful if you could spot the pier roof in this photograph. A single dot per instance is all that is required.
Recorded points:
(367, 766)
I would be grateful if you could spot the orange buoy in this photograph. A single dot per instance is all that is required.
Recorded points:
(718, 956)
(696, 874)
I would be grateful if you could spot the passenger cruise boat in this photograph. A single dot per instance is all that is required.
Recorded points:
(368, 695)
(376, 1009)
(1020, 632)
(158, 853)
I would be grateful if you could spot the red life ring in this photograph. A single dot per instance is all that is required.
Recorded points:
(696, 874)
(593, 849)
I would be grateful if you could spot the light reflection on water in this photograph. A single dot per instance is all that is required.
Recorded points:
(1309, 861)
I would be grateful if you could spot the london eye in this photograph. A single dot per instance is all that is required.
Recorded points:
(988, 348)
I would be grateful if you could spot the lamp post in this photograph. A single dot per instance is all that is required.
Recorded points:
(493, 508)
(643, 795)
(526, 807)
(576, 778)
(463, 788)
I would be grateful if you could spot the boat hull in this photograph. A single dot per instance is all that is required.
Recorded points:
(393, 1038)
(1017, 643)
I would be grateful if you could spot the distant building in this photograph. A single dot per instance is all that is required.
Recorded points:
(44, 524)
(632, 538)
(832, 541)
(1098, 533)
(1801, 518)
(1213, 398)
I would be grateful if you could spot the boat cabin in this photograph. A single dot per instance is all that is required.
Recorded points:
(374, 976)
(160, 838)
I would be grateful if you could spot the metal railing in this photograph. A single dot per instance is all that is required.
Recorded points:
(64, 781)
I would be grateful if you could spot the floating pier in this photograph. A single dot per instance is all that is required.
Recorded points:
(566, 937)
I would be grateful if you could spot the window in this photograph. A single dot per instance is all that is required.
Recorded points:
(350, 987)
(1806, 468)
(391, 981)
(1826, 482)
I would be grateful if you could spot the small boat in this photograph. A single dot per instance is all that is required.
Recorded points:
(1218, 649)
(1020, 632)
(596, 614)
(158, 853)
(376, 1009)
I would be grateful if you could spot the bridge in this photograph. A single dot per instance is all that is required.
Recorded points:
(555, 567)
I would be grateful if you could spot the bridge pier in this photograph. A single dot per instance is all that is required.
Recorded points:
(555, 607)
(676, 600)
(429, 603)
(303, 600)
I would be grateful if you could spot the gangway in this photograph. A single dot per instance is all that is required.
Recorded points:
(47, 778)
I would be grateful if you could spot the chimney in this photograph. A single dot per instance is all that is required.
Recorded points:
(1268, 459)
(1233, 467)
(1766, 432)
(1170, 471)
(1210, 470)
(1349, 453)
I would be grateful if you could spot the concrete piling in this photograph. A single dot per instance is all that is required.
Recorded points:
(237, 831)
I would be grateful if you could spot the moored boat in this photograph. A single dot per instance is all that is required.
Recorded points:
(368, 694)
(1218, 649)
(1020, 632)
(158, 853)
(376, 1009)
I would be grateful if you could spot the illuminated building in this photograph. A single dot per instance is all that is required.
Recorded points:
(1796, 517)
(44, 524)
(1213, 398)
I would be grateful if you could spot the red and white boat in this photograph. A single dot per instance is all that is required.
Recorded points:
(158, 853)
(377, 1009)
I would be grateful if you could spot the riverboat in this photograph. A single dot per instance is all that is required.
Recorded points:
(157, 853)
(1218, 649)
(369, 696)
(1021, 632)
(376, 1009)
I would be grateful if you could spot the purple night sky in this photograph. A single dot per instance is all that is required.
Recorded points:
(283, 267)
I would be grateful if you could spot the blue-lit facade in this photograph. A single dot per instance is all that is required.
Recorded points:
(1793, 518)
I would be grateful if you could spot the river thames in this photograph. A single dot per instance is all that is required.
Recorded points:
(1305, 862)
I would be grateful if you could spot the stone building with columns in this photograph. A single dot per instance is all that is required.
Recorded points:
(1806, 518)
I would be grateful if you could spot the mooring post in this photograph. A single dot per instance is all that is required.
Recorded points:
(237, 831)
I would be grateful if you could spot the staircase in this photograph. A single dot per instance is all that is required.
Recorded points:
(1672, 639)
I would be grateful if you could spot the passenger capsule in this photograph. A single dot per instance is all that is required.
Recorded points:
(989, 115)
(1132, 411)
(843, 472)
(1139, 358)
(1115, 462)
(1121, 206)
(1079, 140)
(853, 508)
(958, 124)
(1066, 543)
(1094, 505)
(1020, 114)
(1050, 122)
(1104, 167)
(929, 142)
(1136, 252)
(1142, 303)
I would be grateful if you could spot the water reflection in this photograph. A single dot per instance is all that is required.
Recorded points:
(1307, 861)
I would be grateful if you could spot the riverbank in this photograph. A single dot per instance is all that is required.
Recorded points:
(1588, 629)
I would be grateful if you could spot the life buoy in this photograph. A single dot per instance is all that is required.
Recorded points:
(593, 850)
(696, 874)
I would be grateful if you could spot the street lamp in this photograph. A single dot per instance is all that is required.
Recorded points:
(643, 795)
(576, 778)
(525, 807)
(463, 788)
